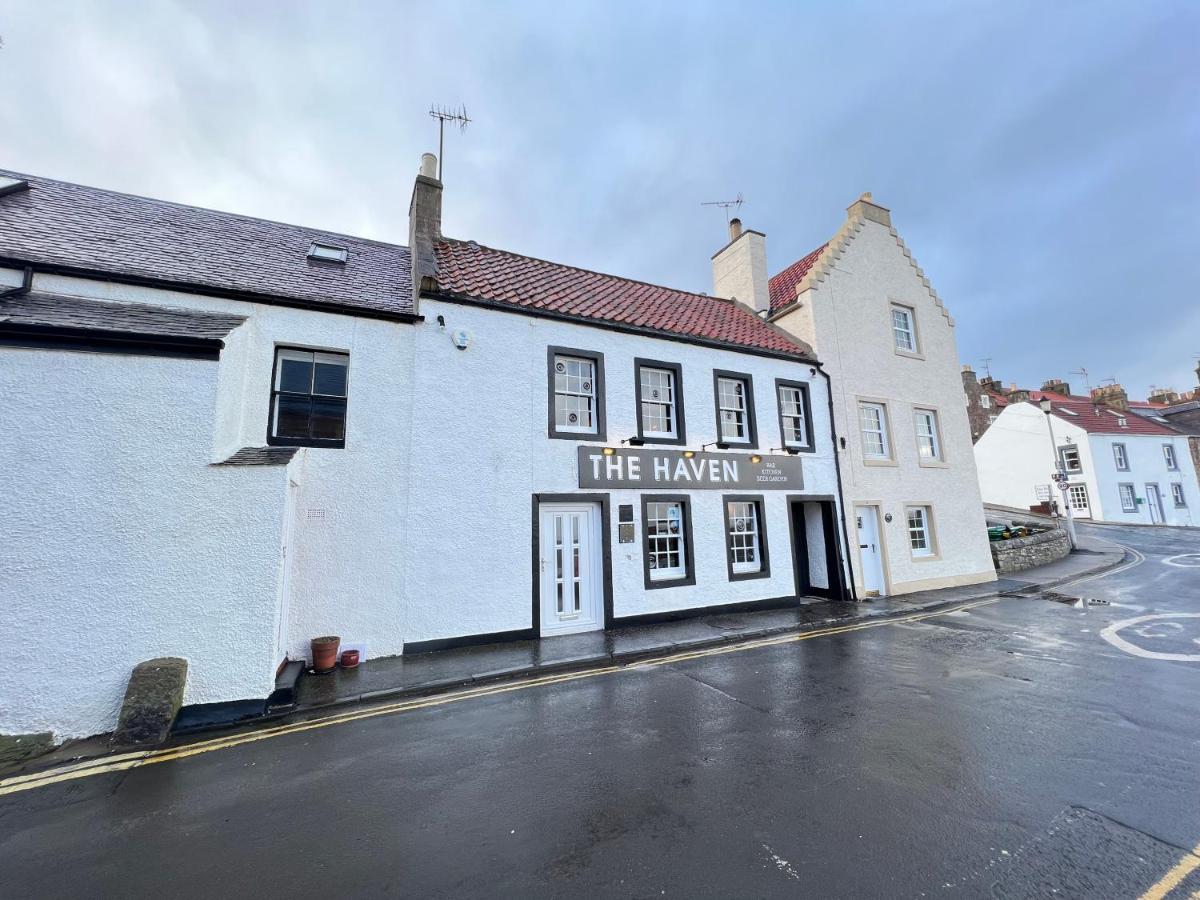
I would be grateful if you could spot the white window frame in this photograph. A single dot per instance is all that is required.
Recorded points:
(985, 402)
(904, 331)
(923, 529)
(743, 535)
(1128, 497)
(1062, 458)
(1077, 490)
(1120, 457)
(668, 543)
(793, 414)
(563, 388)
(929, 444)
(1177, 495)
(647, 400)
(882, 431)
(1171, 459)
(733, 408)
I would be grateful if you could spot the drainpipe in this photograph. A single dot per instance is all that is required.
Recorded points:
(23, 288)
(837, 465)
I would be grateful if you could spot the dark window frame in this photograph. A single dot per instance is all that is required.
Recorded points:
(597, 359)
(764, 555)
(806, 404)
(276, 441)
(689, 547)
(747, 381)
(680, 427)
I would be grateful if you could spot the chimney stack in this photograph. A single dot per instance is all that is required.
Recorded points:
(1163, 395)
(740, 268)
(1112, 396)
(425, 226)
(1057, 386)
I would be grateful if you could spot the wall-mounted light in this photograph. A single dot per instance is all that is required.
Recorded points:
(791, 451)
(688, 454)
(633, 441)
(755, 459)
(720, 445)
(609, 451)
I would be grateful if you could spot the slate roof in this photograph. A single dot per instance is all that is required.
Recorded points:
(53, 310)
(472, 271)
(61, 224)
(782, 286)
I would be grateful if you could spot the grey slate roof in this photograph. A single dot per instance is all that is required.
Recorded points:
(127, 318)
(62, 224)
(260, 456)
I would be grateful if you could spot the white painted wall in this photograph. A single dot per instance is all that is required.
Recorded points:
(847, 318)
(122, 543)
(481, 419)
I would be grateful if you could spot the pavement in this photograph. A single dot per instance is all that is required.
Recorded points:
(1007, 747)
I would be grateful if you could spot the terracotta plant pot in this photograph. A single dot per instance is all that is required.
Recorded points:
(349, 659)
(325, 653)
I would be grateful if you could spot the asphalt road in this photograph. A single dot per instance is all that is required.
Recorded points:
(1007, 751)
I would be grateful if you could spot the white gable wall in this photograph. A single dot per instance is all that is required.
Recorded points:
(1015, 455)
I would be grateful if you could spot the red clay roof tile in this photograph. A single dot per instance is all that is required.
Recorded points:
(783, 286)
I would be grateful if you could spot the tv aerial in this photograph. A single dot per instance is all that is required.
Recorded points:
(727, 205)
(444, 115)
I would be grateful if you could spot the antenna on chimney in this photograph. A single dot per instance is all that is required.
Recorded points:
(987, 366)
(1111, 379)
(1084, 372)
(444, 115)
(727, 205)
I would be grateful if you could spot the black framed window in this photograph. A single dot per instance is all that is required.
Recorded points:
(308, 398)
(746, 537)
(575, 394)
(736, 424)
(795, 415)
(667, 558)
(659, 389)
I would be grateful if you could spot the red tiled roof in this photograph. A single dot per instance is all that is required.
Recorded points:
(783, 285)
(470, 270)
(1097, 419)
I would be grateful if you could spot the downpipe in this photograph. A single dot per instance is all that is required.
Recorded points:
(837, 466)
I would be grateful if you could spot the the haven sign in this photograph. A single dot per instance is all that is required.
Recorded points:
(652, 469)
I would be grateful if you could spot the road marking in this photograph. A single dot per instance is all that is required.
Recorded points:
(1175, 877)
(1111, 635)
(123, 762)
(1138, 559)
(1193, 560)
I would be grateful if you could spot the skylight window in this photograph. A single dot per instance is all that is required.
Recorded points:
(1067, 412)
(9, 185)
(327, 253)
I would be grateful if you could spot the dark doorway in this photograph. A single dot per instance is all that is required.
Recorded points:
(816, 556)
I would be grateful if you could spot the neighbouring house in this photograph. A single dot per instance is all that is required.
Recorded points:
(1181, 412)
(1121, 466)
(229, 435)
(911, 494)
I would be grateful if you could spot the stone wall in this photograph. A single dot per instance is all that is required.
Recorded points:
(1024, 553)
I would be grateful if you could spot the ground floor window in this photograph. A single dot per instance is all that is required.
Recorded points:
(1077, 496)
(920, 532)
(745, 537)
(667, 542)
(1177, 494)
(1128, 498)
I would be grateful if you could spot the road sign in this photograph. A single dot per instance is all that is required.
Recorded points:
(1063, 486)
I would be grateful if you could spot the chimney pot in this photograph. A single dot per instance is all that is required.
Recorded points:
(735, 229)
(429, 165)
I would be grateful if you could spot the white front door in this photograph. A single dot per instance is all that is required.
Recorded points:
(1154, 501)
(1077, 496)
(870, 553)
(572, 570)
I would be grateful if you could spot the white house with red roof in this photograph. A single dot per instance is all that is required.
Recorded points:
(227, 436)
(904, 444)
(1121, 466)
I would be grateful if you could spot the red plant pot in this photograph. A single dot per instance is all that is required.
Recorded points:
(325, 653)
(350, 659)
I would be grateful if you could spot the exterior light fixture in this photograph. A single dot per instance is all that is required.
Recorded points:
(755, 459)
(633, 441)
(688, 454)
(609, 451)
(1046, 405)
(791, 451)
(720, 445)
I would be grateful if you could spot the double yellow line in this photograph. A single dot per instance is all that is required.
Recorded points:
(121, 762)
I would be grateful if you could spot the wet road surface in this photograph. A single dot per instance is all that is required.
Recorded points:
(1006, 751)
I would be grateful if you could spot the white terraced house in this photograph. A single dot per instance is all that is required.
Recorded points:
(908, 473)
(1121, 466)
(227, 436)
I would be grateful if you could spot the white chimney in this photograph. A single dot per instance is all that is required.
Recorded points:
(740, 268)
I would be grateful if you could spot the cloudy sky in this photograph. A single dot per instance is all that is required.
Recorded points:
(1040, 159)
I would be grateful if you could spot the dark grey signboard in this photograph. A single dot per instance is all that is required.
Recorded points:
(676, 469)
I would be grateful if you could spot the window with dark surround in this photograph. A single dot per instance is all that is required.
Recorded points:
(736, 424)
(795, 415)
(575, 394)
(659, 395)
(308, 398)
(667, 559)
(746, 537)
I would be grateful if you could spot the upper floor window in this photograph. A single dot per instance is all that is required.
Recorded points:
(904, 328)
(745, 538)
(659, 401)
(576, 388)
(794, 414)
(1169, 456)
(872, 419)
(1120, 457)
(308, 398)
(929, 442)
(735, 408)
(985, 402)
(1177, 493)
(1069, 458)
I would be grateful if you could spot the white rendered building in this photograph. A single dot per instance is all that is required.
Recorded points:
(1121, 467)
(911, 494)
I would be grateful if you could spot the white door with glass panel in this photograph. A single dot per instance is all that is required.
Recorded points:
(1154, 501)
(1077, 496)
(870, 554)
(572, 571)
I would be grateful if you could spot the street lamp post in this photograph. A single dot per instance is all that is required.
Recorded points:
(1061, 470)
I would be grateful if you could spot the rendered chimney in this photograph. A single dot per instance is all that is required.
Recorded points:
(1057, 386)
(1112, 396)
(425, 227)
(740, 268)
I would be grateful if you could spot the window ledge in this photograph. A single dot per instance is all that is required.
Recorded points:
(880, 462)
(911, 354)
(932, 557)
(932, 463)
